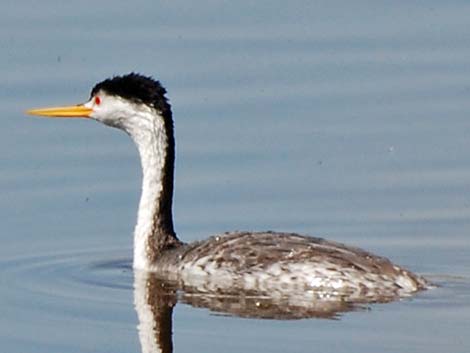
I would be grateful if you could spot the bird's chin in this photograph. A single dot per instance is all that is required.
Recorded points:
(109, 122)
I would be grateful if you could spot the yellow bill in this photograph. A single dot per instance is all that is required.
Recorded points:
(73, 111)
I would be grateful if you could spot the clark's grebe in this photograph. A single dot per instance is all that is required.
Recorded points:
(250, 260)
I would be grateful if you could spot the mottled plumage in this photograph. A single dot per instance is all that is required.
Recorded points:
(264, 261)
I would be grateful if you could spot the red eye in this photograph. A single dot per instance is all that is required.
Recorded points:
(97, 100)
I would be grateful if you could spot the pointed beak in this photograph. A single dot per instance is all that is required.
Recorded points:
(73, 111)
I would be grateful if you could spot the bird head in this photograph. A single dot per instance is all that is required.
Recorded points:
(122, 102)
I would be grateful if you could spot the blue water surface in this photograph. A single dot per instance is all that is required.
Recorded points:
(347, 120)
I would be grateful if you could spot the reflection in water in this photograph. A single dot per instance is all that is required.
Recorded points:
(154, 302)
(154, 299)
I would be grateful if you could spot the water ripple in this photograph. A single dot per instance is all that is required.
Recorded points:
(69, 281)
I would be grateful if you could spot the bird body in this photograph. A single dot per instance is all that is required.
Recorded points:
(249, 260)
(274, 261)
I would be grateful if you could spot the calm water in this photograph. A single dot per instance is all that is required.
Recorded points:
(345, 120)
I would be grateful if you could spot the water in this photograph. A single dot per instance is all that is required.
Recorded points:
(348, 121)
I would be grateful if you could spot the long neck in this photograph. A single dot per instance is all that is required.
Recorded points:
(154, 231)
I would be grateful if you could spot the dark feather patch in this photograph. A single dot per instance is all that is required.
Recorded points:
(137, 88)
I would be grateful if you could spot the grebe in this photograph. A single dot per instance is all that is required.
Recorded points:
(249, 260)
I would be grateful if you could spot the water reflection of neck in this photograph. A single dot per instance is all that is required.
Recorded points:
(154, 305)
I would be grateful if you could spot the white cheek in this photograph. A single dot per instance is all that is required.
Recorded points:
(102, 112)
(117, 112)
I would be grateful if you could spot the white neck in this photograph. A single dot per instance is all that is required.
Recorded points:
(151, 149)
(154, 229)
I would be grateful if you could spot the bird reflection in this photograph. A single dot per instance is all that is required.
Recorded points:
(155, 298)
